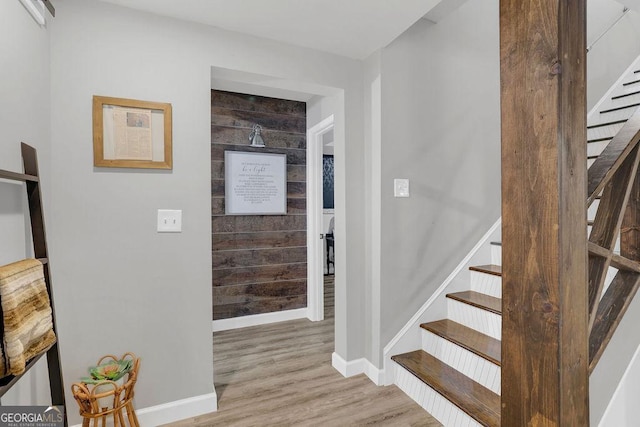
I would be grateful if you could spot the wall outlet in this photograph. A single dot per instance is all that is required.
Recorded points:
(169, 221)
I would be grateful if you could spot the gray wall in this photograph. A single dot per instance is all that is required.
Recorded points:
(24, 116)
(350, 232)
(372, 190)
(606, 61)
(125, 287)
(120, 285)
(610, 56)
(614, 362)
(441, 130)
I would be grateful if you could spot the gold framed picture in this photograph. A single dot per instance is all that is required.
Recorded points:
(128, 133)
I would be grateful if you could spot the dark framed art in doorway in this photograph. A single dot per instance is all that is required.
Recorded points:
(327, 182)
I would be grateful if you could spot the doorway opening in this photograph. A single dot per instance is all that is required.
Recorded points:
(324, 104)
(317, 138)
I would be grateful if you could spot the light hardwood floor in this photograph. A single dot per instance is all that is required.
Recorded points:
(281, 375)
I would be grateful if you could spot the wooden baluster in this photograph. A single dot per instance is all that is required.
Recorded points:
(606, 227)
(618, 297)
(630, 232)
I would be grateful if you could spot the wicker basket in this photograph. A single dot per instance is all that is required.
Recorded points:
(107, 398)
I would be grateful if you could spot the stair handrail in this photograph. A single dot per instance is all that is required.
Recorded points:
(614, 178)
(612, 157)
(609, 28)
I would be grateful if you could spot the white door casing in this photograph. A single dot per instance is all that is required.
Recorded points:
(315, 237)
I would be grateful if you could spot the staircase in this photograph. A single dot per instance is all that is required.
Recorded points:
(455, 376)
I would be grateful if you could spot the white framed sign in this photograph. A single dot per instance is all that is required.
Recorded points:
(255, 183)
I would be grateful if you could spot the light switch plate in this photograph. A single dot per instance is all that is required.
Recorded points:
(400, 187)
(169, 221)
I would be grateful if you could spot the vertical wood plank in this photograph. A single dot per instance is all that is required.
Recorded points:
(544, 273)
(247, 265)
(39, 239)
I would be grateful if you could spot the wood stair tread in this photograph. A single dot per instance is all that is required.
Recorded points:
(479, 402)
(479, 300)
(476, 342)
(495, 270)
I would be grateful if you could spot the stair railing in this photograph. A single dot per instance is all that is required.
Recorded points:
(613, 179)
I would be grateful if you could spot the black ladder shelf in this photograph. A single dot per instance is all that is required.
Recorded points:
(34, 196)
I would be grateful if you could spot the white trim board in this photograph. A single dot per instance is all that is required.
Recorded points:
(36, 9)
(315, 229)
(415, 320)
(615, 86)
(357, 367)
(177, 410)
(258, 319)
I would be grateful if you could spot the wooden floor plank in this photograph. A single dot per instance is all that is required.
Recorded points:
(281, 375)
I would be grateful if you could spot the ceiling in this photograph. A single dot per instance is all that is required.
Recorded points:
(351, 28)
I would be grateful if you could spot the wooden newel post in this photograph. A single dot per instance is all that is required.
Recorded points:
(544, 219)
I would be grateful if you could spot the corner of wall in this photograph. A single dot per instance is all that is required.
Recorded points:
(357, 367)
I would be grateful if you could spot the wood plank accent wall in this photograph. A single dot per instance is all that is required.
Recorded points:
(544, 219)
(259, 261)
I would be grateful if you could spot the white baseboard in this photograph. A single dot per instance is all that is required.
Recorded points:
(258, 319)
(176, 410)
(357, 367)
(347, 369)
(376, 375)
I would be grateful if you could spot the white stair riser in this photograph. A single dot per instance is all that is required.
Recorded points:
(476, 318)
(612, 116)
(431, 401)
(603, 131)
(595, 148)
(622, 114)
(473, 366)
(487, 284)
(625, 89)
(496, 254)
(622, 102)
